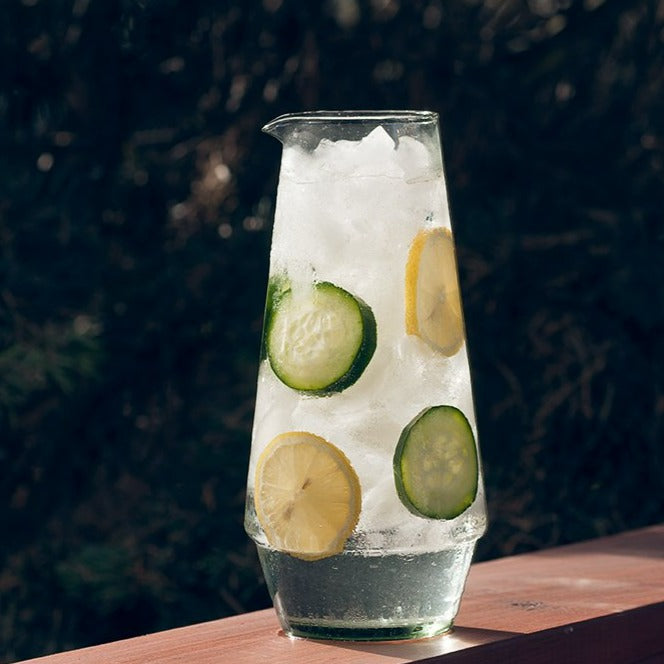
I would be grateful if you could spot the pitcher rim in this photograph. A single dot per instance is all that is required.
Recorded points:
(354, 116)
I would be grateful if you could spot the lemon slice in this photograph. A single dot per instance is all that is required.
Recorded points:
(307, 495)
(433, 303)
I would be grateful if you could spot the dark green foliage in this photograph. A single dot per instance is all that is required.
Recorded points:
(135, 209)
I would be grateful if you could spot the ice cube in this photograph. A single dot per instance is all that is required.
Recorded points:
(416, 160)
(373, 155)
(296, 165)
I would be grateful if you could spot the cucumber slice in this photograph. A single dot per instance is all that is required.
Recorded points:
(435, 464)
(278, 286)
(319, 338)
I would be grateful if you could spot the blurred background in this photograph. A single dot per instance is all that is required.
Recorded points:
(136, 203)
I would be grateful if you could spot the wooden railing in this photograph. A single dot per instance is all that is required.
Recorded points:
(600, 602)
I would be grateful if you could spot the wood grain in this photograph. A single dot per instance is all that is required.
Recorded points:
(567, 584)
(599, 601)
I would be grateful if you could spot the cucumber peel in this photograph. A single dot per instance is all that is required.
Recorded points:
(277, 286)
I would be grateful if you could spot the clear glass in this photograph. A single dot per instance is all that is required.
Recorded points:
(356, 189)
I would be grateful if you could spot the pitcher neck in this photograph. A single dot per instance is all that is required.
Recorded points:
(287, 126)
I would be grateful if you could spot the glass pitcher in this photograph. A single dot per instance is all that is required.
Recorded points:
(365, 495)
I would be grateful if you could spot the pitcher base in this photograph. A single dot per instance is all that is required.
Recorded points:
(359, 597)
(355, 633)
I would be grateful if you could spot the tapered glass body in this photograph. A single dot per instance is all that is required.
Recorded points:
(365, 495)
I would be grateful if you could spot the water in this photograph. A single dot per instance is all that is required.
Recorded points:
(353, 596)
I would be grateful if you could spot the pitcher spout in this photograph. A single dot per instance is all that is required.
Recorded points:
(282, 126)
(302, 129)
(277, 127)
